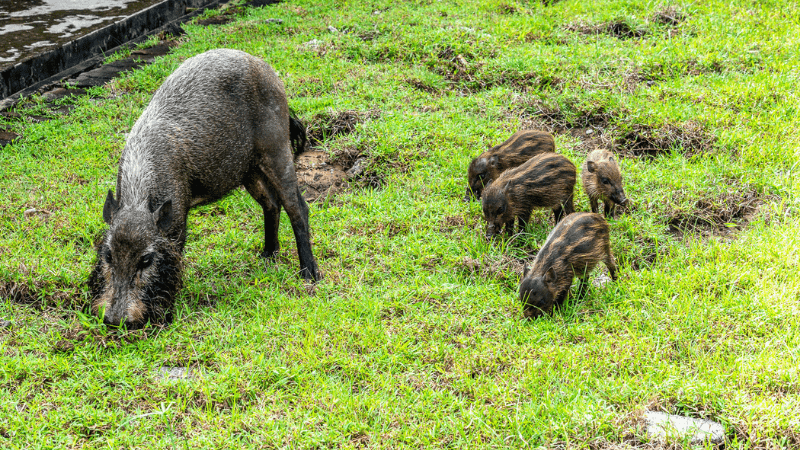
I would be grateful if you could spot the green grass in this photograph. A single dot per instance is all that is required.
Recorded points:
(415, 336)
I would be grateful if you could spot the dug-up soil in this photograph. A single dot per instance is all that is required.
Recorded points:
(317, 176)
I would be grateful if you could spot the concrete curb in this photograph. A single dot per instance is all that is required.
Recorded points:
(85, 52)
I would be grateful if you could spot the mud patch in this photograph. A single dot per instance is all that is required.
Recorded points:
(317, 176)
(721, 216)
(7, 137)
(329, 125)
(320, 174)
(619, 29)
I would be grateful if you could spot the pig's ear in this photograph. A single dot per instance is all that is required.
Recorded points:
(109, 208)
(550, 276)
(505, 189)
(591, 166)
(163, 215)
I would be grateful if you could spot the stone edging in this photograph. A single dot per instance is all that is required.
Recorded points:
(83, 53)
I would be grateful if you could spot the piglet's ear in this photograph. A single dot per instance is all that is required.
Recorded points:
(550, 276)
(163, 215)
(109, 208)
(591, 166)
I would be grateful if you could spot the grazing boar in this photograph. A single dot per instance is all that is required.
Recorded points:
(602, 181)
(520, 147)
(219, 121)
(544, 181)
(572, 249)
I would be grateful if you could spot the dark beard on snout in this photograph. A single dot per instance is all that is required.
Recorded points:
(158, 294)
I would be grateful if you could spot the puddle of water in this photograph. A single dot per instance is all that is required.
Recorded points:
(30, 27)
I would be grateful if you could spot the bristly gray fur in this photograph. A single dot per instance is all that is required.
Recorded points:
(219, 121)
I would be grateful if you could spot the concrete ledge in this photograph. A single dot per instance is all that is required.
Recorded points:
(44, 66)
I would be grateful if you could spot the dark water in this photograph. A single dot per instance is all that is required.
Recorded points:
(29, 27)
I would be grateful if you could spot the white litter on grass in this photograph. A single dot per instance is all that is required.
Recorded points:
(662, 426)
(601, 280)
(313, 44)
(175, 373)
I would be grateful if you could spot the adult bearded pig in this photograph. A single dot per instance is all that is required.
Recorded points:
(219, 121)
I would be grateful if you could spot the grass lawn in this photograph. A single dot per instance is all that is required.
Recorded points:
(415, 338)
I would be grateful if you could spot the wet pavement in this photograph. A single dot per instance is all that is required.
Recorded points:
(29, 27)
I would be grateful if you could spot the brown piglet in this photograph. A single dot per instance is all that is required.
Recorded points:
(544, 181)
(602, 180)
(520, 147)
(572, 249)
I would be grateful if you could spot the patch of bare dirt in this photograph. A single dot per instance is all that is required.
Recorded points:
(318, 176)
(721, 216)
(619, 29)
(6, 137)
(541, 114)
(321, 174)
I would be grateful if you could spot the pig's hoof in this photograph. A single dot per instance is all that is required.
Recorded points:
(269, 255)
(311, 275)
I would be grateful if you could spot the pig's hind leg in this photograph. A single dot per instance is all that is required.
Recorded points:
(277, 166)
(256, 185)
